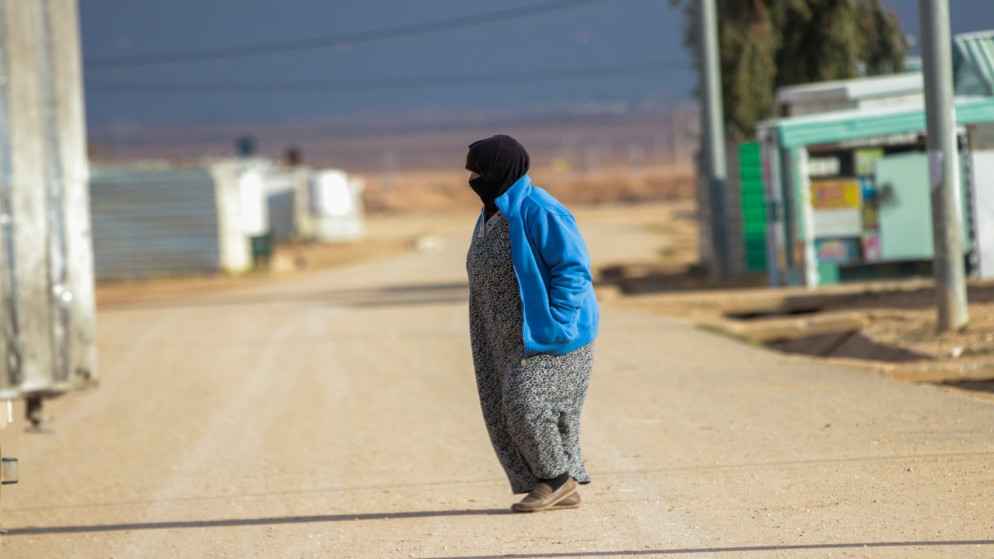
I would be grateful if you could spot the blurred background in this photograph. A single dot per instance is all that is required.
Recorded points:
(394, 90)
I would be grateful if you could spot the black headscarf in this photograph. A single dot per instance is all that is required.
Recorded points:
(500, 161)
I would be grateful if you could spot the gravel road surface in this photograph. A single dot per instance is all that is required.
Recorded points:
(334, 414)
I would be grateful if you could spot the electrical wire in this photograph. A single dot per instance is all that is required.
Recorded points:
(327, 41)
(384, 83)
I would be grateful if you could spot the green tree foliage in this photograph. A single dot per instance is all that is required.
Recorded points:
(765, 44)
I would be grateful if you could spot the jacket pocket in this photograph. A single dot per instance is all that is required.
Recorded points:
(557, 332)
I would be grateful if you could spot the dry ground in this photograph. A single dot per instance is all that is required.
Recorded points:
(333, 413)
(899, 315)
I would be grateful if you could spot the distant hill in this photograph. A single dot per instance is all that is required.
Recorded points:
(417, 163)
(423, 142)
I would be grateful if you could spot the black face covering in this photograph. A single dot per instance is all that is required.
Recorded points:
(500, 161)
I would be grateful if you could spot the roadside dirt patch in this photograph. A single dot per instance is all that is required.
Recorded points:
(287, 259)
(887, 328)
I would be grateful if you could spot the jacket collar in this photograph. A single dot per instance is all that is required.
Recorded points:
(510, 202)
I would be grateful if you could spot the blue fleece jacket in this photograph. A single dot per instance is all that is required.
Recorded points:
(552, 265)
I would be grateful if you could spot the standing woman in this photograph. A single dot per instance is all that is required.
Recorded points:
(533, 319)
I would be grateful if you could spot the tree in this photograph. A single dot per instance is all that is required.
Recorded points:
(766, 44)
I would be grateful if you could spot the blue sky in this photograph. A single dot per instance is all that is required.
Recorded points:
(602, 53)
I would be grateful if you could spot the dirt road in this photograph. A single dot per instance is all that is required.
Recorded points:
(333, 414)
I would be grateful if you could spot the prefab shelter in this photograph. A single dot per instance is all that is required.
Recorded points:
(846, 176)
(149, 223)
(336, 210)
(747, 207)
(268, 197)
(162, 220)
(284, 203)
(848, 196)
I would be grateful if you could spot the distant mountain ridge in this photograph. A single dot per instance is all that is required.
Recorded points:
(375, 143)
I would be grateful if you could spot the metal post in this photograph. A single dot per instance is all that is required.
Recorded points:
(47, 309)
(713, 135)
(943, 162)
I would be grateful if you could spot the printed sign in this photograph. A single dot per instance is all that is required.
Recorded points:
(836, 194)
(871, 248)
(837, 251)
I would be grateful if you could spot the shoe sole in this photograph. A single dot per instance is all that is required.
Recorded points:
(553, 506)
(564, 507)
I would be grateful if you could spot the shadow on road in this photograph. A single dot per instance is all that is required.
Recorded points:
(236, 522)
(274, 521)
(374, 297)
(736, 549)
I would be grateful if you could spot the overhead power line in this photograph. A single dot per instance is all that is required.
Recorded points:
(384, 83)
(326, 41)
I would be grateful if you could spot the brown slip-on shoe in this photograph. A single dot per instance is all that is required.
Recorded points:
(542, 497)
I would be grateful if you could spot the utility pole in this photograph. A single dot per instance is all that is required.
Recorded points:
(943, 163)
(713, 135)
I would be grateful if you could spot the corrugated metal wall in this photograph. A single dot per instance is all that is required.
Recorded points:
(154, 223)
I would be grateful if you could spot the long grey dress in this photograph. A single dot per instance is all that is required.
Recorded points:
(531, 406)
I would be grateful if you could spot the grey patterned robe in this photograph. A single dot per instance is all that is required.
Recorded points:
(531, 406)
